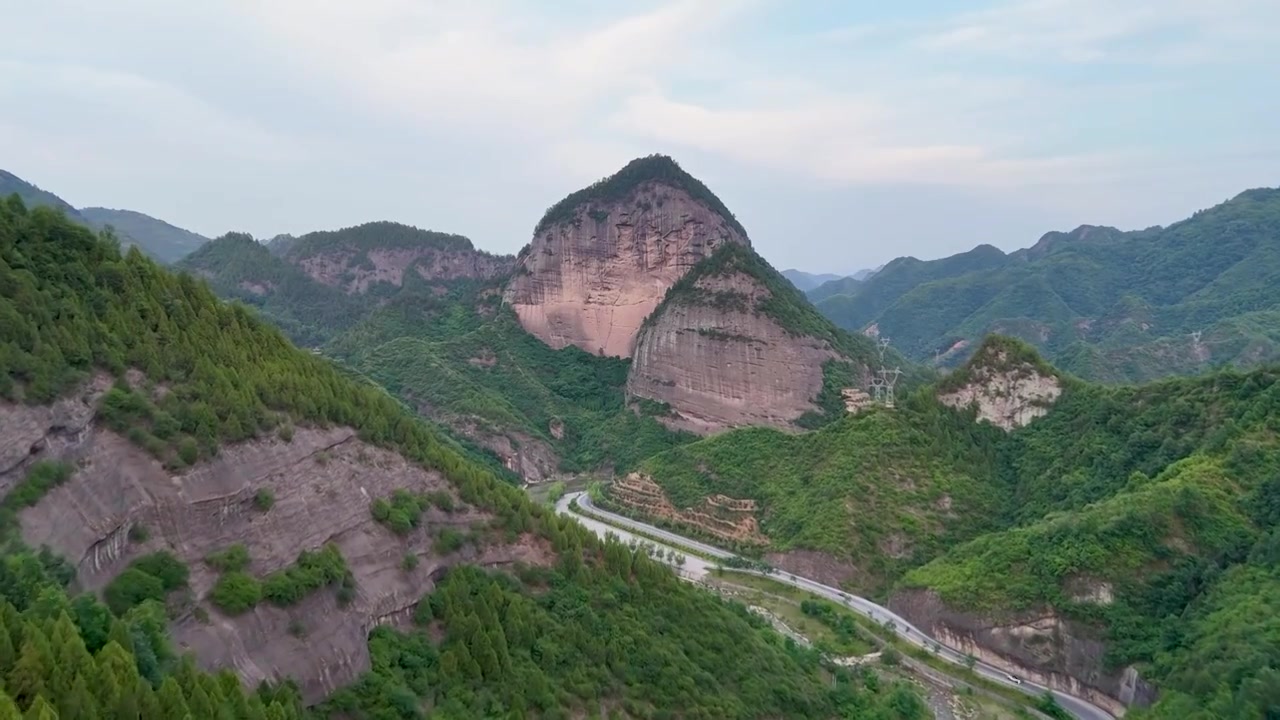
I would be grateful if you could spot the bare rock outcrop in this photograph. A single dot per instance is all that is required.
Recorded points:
(720, 363)
(323, 481)
(1007, 390)
(591, 279)
(355, 259)
(1043, 647)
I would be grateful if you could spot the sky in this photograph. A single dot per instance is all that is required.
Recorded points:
(842, 133)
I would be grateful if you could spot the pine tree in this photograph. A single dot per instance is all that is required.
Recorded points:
(79, 704)
(172, 703)
(8, 710)
(41, 710)
(26, 680)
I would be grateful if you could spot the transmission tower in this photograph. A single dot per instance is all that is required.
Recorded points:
(884, 345)
(888, 378)
(1195, 336)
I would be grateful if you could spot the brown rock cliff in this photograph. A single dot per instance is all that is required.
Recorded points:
(591, 281)
(720, 363)
(323, 482)
(1042, 647)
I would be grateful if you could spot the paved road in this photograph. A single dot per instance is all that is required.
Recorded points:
(1078, 707)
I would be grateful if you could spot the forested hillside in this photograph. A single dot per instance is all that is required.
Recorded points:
(602, 629)
(162, 241)
(1142, 515)
(1107, 305)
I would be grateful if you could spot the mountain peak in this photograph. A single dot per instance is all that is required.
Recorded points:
(657, 169)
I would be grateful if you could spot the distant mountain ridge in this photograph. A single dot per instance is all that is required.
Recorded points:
(1110, 305)
(157, 238)
(807, 282)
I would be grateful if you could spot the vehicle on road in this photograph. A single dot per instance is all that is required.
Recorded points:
(1013, 678)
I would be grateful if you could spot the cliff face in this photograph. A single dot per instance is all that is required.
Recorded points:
(599, 267)
(719, 362)
(355, 259)
(1042, 647)
(323, 482)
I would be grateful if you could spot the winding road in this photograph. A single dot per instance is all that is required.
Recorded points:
(697, 567)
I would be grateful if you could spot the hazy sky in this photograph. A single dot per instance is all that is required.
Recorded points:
(841, 132)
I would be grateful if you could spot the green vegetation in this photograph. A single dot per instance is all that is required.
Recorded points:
(75, 657)
(1146, 512)
(882, 490)
(1104, 304)
(150, 577)
(230, 559)
(556, 646)
(602, 626)
(360, 239)
(162, 241)
(402, 513)
(264, 499)
(616, 187)
(466, 362)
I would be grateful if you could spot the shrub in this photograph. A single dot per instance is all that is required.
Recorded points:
(236, 592)
(188, 451)
(41, 478)
(130, 588)
(264, 499)
(138, 533)
(286, 432)
(449, 540)
(442, 499)
(231, 559)
(169, 570)
(312, 571)
(409, 562)
(297, 629)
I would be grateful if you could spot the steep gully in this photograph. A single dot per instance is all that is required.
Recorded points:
(695, 567)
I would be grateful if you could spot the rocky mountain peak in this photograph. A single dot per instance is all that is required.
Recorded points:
(602, 258)
(1006, 381)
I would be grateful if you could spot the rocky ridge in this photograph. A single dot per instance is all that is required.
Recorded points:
(323, 481)
(357, 258)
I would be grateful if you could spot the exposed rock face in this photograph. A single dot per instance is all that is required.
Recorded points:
(1043, 647)
(356, 272)
(1006, 394)
(592, 282)
(323, 482)
(721, 364)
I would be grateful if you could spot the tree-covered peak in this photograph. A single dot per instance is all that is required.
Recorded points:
(659, 169)
(377, 235)
(999, 354)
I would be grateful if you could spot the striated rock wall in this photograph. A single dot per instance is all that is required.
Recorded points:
(355, 272)
(593, 281)
(323, 482)
(1006, 395)
(1043, 647)
(725, 366)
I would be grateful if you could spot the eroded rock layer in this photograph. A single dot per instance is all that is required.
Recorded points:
(719, 363)
(323, 482)
(592, 281)
(1043, 647)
